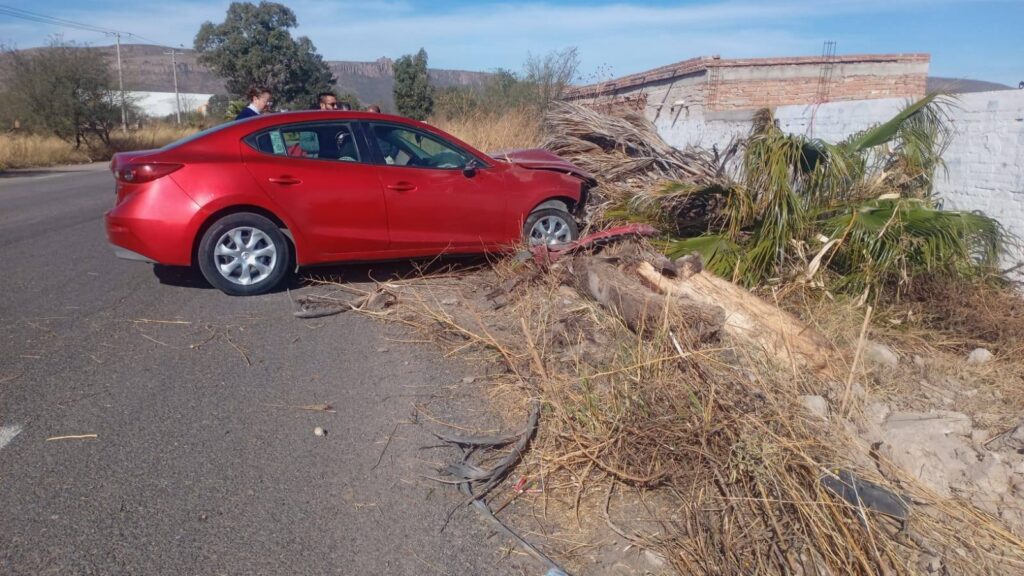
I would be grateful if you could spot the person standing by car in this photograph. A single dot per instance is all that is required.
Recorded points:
(327, 101)
(259, 102)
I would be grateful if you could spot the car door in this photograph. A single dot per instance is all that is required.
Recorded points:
(321, 175)
(434, 204)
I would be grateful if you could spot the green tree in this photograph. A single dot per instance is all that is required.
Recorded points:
(254, 47)
(65, 90)
(414, 97)
(217, 106)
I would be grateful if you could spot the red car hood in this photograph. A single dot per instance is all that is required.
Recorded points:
(540, 159)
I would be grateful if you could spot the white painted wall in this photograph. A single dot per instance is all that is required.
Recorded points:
(985, 160)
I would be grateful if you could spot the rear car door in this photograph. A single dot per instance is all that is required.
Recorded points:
(322, 177)
(433, 204)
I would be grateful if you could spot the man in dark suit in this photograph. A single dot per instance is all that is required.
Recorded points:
(259, 101)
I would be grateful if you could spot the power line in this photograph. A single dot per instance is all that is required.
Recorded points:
(63, 22)
(44, 19)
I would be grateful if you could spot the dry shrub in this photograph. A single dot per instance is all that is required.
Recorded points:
(32, 150)
(970, 313)
(491, 132)
(713, 431)
(152, 136)
(27, 151)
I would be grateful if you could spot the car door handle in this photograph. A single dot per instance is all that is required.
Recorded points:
(402, 187)
(284, 180)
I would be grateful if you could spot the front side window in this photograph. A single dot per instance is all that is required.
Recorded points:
(334, 141)
(405, 147)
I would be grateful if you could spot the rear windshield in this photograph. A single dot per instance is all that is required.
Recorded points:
(197, 135)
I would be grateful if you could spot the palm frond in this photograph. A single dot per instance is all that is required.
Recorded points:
(887, 131)
(892, 241)
(720, 254)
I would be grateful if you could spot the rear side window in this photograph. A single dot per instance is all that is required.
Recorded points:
(329, 141)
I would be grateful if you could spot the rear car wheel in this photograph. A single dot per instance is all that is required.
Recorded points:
(551, 226)
(244, 254)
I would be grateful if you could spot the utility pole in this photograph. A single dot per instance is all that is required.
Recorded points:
(177, 99)
(120, 82)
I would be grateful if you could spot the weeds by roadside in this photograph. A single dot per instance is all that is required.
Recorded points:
(36, 151)
(489, 132)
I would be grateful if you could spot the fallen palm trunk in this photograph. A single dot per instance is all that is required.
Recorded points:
(748, 319)
(640, 308)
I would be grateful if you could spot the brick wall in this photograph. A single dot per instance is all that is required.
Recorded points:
(713, 84)
(734, 95)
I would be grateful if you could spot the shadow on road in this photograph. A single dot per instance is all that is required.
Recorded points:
(358, 273)
(183, 276)
(361, 273)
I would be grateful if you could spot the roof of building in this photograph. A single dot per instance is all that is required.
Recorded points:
(702, 63)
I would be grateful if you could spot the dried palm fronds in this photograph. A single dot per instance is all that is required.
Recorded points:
(617, 149)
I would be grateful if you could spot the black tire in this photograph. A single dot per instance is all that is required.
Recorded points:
(264, 269)
(563, 227)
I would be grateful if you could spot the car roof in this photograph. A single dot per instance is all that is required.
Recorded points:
(254, 123)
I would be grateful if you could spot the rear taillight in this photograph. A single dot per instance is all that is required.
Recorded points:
(139, 173)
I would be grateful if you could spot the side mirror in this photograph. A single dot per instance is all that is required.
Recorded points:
(469, 170)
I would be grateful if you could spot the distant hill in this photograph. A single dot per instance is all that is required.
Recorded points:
(147, 68)
(962, 85)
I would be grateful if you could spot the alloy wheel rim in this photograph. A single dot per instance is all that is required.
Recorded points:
(245, 256)
(550, 230)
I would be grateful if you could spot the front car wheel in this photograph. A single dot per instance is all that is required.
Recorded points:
(550, 226)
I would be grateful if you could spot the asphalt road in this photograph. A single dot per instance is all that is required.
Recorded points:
(198, 465)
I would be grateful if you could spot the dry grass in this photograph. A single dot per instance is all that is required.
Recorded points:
(969, 313)
(33, 151)
(713, 433)
(493, 132)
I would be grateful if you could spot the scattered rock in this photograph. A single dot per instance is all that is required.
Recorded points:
(931, 446)
(880, 354)
(979, 356)
(1017, 436)
(318, 431)
(990, 475)
(450, 301)
(876, 412)
(936, 448)
(816, 405)
(382, 350)
(468, 380)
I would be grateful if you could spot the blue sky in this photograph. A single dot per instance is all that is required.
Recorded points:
(977, 39)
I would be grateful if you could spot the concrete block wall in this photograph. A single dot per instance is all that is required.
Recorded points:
(985, 159)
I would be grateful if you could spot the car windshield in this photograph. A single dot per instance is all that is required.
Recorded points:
(197, 135)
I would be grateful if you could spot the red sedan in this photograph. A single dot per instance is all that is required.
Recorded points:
(249, 201)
